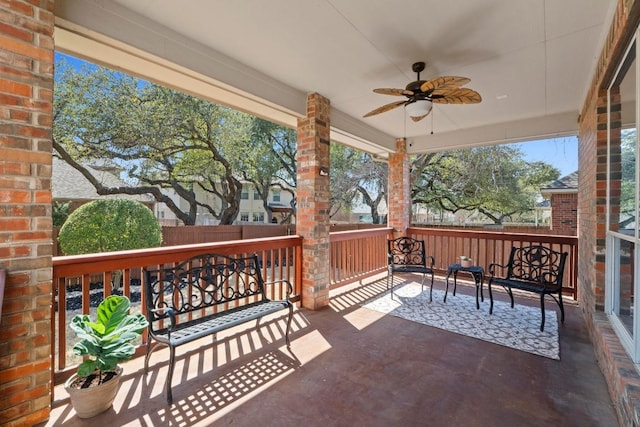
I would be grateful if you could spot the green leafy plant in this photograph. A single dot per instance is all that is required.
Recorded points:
(465, 258)
(107, 341)
(109, 225)
(60, 213)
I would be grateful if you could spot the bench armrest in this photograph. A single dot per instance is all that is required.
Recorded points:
(172, 317)
(285, 282)
(431, 259)
(492, 267)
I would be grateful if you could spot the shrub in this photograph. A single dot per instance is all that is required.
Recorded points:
(109, 225)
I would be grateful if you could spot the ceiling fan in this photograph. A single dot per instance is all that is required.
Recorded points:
(421, 94)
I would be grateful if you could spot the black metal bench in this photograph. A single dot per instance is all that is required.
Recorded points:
(203, 296)
(535, 269)
(407, 255)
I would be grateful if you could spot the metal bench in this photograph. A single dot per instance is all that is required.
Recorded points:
(534, 269)
(407, 255)
(203, 296)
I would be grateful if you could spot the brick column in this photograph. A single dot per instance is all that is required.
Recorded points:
(26, 102)
(312, 217)
(399, 198)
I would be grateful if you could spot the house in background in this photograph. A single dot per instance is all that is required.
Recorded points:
(563, 196)
(68, 185)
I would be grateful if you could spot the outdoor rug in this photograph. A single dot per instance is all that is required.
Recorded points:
(517, 327)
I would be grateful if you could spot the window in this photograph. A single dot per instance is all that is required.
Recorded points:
(276, 195)
(244, 195)
(244, 216)
(622, 281)
(258, 217)
(256, 195)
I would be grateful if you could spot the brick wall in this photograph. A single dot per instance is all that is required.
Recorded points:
(620, 373)
(26, 97)
(564, 213)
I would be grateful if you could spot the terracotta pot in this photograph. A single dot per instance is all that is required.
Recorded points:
(89, 402)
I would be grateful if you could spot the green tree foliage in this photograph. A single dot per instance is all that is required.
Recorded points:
(109, 225)
(493, 180)
(162, 139)
(60, 213)
(628, 139)
(269, 161)
(356, 178)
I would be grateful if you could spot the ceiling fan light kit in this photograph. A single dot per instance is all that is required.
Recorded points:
(421, 94)
(418, 108)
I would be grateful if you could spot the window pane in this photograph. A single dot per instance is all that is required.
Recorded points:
(622, 149)
(625, 294)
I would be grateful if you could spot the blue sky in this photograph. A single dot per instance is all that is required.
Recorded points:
(561, 153)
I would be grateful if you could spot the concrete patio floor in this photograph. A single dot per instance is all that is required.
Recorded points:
(350, 366)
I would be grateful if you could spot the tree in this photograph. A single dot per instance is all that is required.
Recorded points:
(60, 213)
(109, 225)
(269, 161)
(493, 180)
(161, 138)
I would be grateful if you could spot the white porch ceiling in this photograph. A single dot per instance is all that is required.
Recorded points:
(531, 60)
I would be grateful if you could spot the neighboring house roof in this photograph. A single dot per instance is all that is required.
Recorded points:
(545, 204)
(67, 183)
(566, 184)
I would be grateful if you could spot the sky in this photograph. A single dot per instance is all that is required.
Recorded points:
(561, 153)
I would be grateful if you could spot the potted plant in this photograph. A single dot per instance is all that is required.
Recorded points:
(106, 342)
(465, 261)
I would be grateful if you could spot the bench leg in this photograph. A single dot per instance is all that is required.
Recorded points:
(286, 335)
(147, 355)
(561, 306)
(172, 360)
(431, 289)
(490, 297)
(542, 309)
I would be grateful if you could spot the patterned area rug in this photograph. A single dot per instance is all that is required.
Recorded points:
(517, 327)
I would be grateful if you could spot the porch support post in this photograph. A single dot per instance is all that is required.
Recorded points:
(399, 197)
(312, 222)
(26, 115)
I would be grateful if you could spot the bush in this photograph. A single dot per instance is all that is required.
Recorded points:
(109, 225)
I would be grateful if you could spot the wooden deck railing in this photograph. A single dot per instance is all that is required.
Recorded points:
(356, 255)
(487, 247)
(281, 258)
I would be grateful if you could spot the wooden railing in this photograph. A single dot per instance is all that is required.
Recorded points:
(356, 255)
(487, 247)
(281, 258)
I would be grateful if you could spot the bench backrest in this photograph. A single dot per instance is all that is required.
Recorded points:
(406, 251)
(536, 263)
(201, 283)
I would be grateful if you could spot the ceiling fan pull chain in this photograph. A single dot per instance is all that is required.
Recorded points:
(433, 111)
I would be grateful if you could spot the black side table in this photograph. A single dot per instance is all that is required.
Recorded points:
(475, 271)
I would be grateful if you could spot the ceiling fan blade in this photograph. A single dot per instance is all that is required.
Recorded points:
(397, 92)
(384, 108)
(417, 119)
(449, 82)
(456, 96)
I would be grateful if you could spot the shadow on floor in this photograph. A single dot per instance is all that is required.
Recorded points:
(348, 366)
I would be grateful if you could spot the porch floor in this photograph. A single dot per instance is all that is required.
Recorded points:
(351, 366)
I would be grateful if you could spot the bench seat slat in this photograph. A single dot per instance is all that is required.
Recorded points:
(211, 324)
